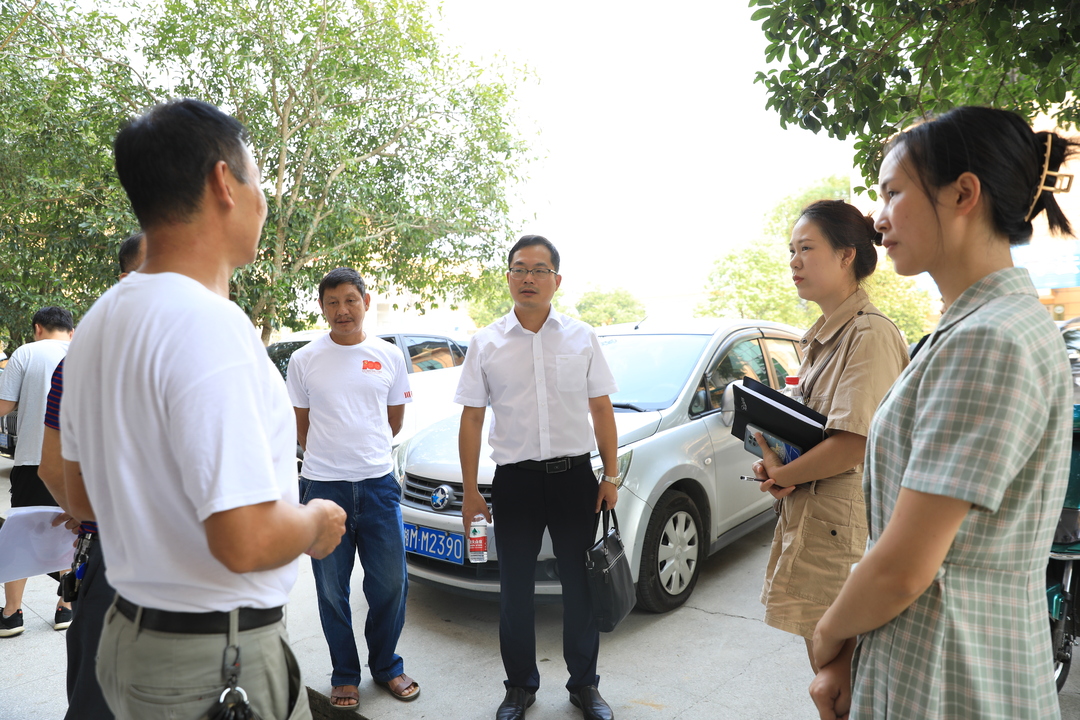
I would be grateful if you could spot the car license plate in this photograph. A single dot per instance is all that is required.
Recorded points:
(437, 544)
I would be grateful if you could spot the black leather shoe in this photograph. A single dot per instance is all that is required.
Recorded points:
(592, 705)
(515, 703)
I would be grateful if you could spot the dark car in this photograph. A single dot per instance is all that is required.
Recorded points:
(422, 352)
(432, 392)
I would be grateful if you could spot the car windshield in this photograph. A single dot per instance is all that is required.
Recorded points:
(651, 370)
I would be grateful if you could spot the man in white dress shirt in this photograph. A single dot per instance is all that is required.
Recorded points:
(543, 374)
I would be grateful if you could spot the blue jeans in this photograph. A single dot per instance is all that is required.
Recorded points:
(373, 529)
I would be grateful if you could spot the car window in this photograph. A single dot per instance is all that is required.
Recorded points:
(745, 359)
(651, 370)
(429, 353)
(784, 355)
(457, 352)
(392, 339)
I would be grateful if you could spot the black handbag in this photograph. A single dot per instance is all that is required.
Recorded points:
(611, 585)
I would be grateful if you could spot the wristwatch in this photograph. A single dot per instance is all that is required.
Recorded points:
(615, 480)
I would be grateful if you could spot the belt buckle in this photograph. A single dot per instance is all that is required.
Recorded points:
(557, 466)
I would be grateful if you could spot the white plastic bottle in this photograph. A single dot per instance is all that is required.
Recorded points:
(478, 540)
(792, 389)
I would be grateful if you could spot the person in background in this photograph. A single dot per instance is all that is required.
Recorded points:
(851, 356)
(188, 468)
(25, 383)
(544, 376)
(95, 595)
(349, 390)
(968, 454)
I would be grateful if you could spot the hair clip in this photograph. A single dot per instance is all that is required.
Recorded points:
(1042, 187)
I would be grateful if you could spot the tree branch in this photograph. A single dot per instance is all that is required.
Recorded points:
(19, 26)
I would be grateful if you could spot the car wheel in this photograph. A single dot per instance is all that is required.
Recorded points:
(671, 553)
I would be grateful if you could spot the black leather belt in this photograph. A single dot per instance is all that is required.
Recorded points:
(187, 623)
(555, 465)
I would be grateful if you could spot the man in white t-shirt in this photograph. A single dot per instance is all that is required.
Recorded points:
(349, 390)
(25, 383)
(187, 466)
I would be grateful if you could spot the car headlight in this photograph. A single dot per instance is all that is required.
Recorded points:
(623, 465)
(397, 456)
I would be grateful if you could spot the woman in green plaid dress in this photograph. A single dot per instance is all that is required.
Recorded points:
(967, 457)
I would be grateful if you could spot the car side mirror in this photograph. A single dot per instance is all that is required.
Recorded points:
(727, 404)
(699, 401)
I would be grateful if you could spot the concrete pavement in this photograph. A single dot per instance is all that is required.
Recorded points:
(712, 658)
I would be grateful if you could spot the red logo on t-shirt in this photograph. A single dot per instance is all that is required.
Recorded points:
(372, 365)
(408, 393)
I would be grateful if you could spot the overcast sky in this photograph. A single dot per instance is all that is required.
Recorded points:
(655, 151)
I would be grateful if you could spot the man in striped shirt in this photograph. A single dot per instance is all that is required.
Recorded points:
(94, 592)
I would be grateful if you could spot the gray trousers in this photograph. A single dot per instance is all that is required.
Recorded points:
(151, 675)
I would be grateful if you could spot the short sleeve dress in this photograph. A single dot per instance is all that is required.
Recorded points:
(983, 414)
(849, 362)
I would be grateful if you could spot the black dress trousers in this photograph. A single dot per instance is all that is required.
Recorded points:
(524, 502)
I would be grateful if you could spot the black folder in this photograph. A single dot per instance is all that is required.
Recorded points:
(787, 419)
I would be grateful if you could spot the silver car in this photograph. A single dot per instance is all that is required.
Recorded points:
(681, 498)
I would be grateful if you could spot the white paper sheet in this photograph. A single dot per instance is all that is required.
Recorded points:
(31, 546)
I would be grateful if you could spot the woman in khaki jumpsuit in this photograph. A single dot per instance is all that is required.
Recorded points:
(851, 356)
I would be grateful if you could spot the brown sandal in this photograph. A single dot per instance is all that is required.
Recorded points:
(399, 687)
(339, 692)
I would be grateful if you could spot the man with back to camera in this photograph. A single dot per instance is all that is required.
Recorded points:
(25, 383)
(187, 466)
(544, 375)
(95, 595)
(349, 390)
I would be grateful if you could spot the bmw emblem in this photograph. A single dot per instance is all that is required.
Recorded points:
(442, 497)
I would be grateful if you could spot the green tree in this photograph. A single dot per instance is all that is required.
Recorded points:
(755, 282)
(870, 67)
(607, 307)
(900, 299)
(781, 219)
(62, 213)
(489, 299)
(377, 148)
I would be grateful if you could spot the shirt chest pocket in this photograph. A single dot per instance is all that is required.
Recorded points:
(571, 372)
(821, 401)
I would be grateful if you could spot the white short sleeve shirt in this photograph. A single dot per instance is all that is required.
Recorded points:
(26, 381)
(538, 386)
(175, 412)
(346, 389)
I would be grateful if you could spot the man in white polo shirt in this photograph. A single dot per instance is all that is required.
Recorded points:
(349, 390)
(544, 375)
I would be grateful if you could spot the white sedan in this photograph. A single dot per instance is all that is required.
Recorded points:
(681, 498)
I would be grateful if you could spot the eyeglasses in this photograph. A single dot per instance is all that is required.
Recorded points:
(540, 273)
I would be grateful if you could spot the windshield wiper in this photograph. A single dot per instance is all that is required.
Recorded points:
(629, 406)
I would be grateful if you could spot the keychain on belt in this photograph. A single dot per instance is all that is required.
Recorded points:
(69, 584)
(233, 702)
